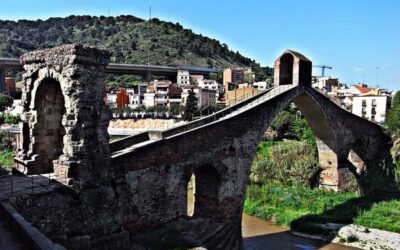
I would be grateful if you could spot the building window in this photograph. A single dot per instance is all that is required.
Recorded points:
(364, 103)
(372, 118)
(373, 102)
(373, 111)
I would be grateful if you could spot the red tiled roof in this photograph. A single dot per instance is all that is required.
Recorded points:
(190, 87)
(174, 90)
(362, 89)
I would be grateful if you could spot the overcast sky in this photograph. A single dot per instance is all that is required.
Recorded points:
(360, 39)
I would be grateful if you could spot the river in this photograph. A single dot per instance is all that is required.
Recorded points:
(259, 235)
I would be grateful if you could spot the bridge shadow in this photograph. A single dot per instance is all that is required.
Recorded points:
(337, 217)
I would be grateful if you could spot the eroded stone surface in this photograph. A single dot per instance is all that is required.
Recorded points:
(145, 187)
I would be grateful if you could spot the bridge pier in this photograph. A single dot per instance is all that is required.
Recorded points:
(330, 176)
(148, 76)
(2, 79)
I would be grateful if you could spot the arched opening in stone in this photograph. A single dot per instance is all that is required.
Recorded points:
(191, 190)
(286, 69)
(206, 196)
(299, 147)
(355, 167)
(48, 131)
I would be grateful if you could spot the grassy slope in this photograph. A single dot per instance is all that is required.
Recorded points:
(6, 159)
(301, 205)
(285, 205)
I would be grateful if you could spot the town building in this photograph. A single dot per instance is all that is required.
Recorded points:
(325, 82)
(111, 99)
(194, 79)
(208, 84)
(371, 107)
(122, 98)
(234, 76)
(183, 77)
(9, 84)
(362, 89)
(161, 93)
(260, 85)
(205, 97)
(174, 95)
(149, 99)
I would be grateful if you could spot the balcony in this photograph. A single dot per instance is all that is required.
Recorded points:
(161, 92)
(161, 100)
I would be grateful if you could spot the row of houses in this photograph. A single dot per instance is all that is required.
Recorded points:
(162, 93)
(360, 99)
(165, 93)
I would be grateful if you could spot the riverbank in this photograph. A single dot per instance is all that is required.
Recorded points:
(260, 234)
(327, 215)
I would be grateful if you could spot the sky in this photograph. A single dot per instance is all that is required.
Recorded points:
(360, 39)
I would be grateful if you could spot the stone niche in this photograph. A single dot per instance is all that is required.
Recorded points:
(65, 120)
(292, 68)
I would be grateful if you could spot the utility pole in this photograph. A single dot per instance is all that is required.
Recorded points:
(150, 14)
(148, 50)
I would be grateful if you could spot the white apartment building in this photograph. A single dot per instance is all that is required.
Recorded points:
(371, 107)
(260, 85)
(205, 97)
(183, 77)
(208, 84)
(112, 99)
(134, 97)
(149, 99)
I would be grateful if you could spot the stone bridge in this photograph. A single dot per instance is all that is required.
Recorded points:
(114, 193)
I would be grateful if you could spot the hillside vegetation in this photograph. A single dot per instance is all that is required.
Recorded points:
(128, 38)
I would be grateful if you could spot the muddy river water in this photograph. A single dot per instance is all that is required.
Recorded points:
(259, 234)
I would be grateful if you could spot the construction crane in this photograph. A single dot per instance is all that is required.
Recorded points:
(323, 67)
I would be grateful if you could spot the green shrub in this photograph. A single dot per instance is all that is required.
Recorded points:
(5, 101)
(6, 159)
(12, 119)
(288, 163)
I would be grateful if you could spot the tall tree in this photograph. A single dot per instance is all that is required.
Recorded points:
(191, 106)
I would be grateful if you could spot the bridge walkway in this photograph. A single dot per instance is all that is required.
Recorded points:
(221, 115)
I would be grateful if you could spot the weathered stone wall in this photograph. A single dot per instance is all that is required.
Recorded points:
(145, 187)
(230, 148)
(82, 155)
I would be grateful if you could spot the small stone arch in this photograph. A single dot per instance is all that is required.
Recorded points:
(286, 69)
(357, 155)
(74, 75)
(48, 132)
(292, 68)
(207, 183)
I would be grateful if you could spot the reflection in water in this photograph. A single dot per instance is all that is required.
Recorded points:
(259, 234)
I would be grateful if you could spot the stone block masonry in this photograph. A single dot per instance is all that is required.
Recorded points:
(108, 199)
